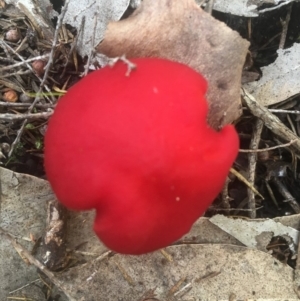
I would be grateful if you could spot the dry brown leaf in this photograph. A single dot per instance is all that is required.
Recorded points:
(181, 31)
(211, 269)
(280, 80)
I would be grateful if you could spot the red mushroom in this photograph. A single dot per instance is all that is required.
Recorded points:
(137, 148)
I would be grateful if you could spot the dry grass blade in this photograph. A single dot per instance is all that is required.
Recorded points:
(244, 180)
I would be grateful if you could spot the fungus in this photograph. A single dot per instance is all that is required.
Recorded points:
(138, 149)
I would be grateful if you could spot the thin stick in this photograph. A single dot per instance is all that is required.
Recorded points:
(92, 52)
(284, 111)
(123, 271)
(21, 58)
(16, 73)
(40, 57)
(55, 38)
(285, 26)
(275, 6)
(267, 148)
(26, 285)
(271, 121)
(17, 117)
(252, 159)
(25, 105)
(47, 69)
(212, 208)
(286, 194)
(225, 196)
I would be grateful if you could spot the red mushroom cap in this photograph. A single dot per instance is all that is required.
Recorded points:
(137, 148)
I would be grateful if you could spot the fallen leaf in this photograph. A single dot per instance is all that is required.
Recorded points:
(90, 18)
(181, 31)
(279, 80)
(213, 272)
(195, 270)
(248, 231)
(248, 8)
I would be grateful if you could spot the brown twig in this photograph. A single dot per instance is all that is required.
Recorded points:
(271, 121)
(225, 197)
(17, 117)
(47, 69)
(213, 208)
(92, 52)
(275, 6)
(124, 273)
(267, 148)
(252, 159)
(285, 26)
(19, 64)
(286, 194)
(25, 105)
(284, 111)
(21, 250)
(27, 64)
